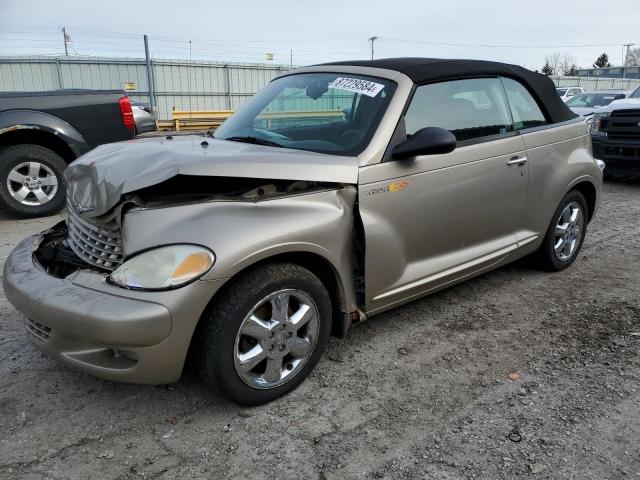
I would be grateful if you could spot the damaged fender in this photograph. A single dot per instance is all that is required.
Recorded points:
(242, 233)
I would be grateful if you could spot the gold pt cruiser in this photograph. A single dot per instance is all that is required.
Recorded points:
(337, 192)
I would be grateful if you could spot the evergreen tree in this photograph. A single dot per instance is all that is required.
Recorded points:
(602, 61)
(547, 69)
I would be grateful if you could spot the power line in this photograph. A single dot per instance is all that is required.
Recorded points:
(487, 45)
(253, 40)
(161, 38)
(94, 42)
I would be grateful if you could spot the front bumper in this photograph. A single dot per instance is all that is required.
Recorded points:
(103, 330)
(622, 158)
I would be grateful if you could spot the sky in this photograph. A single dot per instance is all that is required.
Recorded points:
(312, 32)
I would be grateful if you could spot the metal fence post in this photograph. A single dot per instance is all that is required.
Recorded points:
(154, 91)
(60, 84)
(228, 85)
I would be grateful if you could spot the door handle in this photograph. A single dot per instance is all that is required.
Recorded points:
(517, 160)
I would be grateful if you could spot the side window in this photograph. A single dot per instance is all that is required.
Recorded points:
(469, 109)
(525, 110)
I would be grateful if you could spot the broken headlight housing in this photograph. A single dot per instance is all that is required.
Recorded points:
(163, 268)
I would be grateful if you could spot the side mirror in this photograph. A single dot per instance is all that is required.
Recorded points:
(426, 141)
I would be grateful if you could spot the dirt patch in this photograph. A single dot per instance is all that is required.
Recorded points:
(419, 392)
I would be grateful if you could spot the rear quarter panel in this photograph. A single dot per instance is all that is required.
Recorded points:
(559, 158)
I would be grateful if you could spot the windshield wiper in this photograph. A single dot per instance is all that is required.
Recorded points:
(254, 140)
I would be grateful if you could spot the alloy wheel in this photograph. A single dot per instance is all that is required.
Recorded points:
(276, 339)
(32, 183)
(568, 233)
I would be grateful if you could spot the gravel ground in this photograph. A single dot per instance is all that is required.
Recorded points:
(423, 391)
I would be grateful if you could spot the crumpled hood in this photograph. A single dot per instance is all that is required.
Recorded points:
(98, 179)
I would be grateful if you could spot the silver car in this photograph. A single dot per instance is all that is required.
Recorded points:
(586, 104)
(144, 118)
(338, 192)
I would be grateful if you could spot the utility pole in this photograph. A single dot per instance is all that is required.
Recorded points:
(291, 57)
(626, 57)
(372, 41)
(65, 38)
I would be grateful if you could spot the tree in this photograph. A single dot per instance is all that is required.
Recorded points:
(602, 61)
(558, 63)
(571, 71)
(554, 61)
(568, 65)
(547, 69)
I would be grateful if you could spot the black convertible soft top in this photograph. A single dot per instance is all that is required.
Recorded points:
(427, 70)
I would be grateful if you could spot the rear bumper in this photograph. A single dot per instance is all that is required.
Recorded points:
(106, 331)
(622, 158)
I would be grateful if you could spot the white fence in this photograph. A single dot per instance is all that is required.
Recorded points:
(597, 83)
(178, 84)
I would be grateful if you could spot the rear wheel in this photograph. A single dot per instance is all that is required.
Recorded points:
(265, 333)
(565, 235)
(31, 181)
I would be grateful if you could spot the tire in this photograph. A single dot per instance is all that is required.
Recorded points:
(46, 190)
(223, 343)
(552, 260)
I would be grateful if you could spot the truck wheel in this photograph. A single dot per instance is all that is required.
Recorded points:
(265, 333)
(31, 181)
(566, 233)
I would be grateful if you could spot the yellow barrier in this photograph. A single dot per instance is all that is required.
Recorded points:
(268, 116)
(200, 119)
(211, 119)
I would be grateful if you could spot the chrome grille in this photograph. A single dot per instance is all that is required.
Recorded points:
(37, 330)
(98, 244)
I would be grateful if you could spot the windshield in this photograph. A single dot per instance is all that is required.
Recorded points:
(636, 93)
(593, 100)
(321, 112)
(561, 91)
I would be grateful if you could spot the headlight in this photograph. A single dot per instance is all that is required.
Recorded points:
(163, 268)
(594, 126)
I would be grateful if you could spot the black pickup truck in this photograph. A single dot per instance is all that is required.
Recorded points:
(42, 132)
(615, 134)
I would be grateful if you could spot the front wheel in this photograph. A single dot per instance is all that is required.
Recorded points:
(565, 235)
(265, 333)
